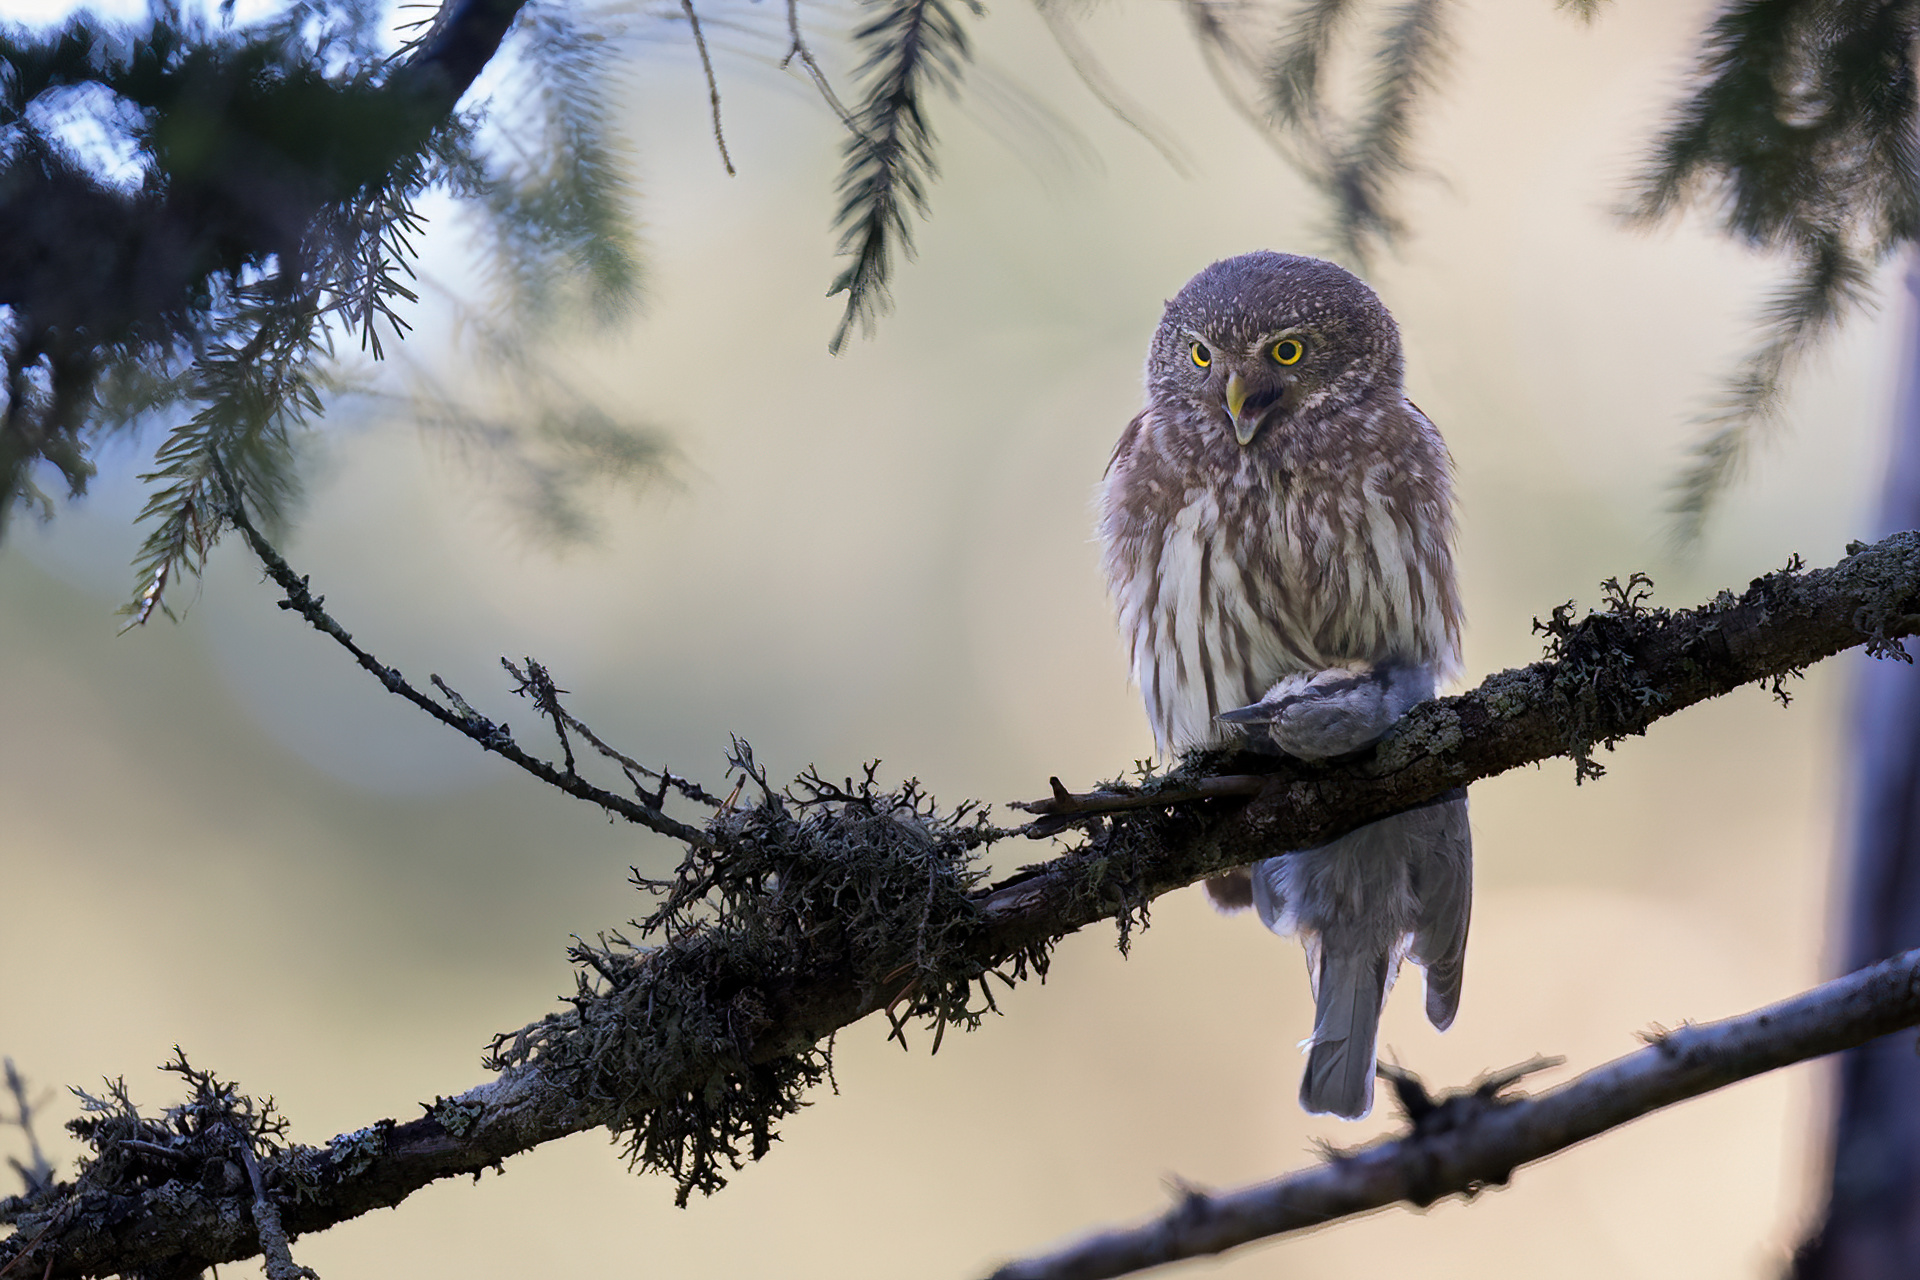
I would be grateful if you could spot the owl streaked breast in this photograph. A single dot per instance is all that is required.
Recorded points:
(1325, 545)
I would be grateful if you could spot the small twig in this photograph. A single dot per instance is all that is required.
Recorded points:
(537, 684)
(1064, 808)
(266, 1219)
(798, 49)
(713, 85)
(1428, 1113)
(476, 722)
(38, 1172)
(301, 600)
(631, 767)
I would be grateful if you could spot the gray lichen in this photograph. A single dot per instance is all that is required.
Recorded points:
(1598, 685)
(457, 1116)
(668, 1045)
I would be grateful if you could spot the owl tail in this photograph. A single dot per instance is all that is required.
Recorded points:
(1350, 988)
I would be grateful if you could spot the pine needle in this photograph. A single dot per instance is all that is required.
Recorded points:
(913, 48)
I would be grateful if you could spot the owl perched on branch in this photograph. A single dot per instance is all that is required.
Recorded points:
(1278, 531)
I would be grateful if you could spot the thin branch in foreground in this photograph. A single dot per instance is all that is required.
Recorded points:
(537, 683)
(1473, 1139)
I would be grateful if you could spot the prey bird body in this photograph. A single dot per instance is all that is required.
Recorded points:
(1277, 527)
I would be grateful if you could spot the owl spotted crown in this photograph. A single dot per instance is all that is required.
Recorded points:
(1240, 301)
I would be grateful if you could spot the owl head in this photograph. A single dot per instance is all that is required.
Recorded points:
(1260, 341)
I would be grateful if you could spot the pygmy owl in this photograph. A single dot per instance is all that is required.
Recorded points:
(1277, 530)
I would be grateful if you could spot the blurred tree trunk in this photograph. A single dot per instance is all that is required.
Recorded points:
(1872, 1226)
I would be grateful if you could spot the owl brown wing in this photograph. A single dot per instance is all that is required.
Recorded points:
(1125, 443)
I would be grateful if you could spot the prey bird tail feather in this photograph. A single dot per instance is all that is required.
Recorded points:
(1443, 886)
(1348, 993)
(1399, 887)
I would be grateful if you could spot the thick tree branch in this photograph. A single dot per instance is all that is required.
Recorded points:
(464, 36)
(1476, 1138)
(612, 1058)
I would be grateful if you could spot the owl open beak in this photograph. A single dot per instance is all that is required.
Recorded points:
(1246, 422)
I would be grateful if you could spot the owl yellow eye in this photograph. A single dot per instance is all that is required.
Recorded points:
(1202, 356)
(1288, 351)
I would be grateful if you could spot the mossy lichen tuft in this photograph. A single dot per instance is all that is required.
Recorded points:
(1600, 689)
(691, 1048)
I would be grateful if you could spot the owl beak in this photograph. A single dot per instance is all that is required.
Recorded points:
(1245, 426)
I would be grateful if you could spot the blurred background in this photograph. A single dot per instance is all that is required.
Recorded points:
(219, 834)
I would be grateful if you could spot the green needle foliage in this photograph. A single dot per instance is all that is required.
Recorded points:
(1801, 129)
(194, 215)
(555, 229)
(912, 48)
(199, 221)
(1354, 158)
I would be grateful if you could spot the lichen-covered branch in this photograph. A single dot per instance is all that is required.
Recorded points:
(1470, 1139)
(797, 911)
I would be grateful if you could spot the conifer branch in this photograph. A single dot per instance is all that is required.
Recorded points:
(464, 36)
(1355, 161)
(1296, 69)
(1799, 132)
(799, 50)
(1407, 64)
(1063, 26)
(1830, 281)
(914, 48)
